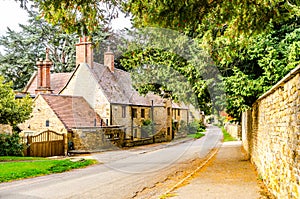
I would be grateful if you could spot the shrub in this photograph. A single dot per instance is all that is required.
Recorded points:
(195, 127)
(10, 145)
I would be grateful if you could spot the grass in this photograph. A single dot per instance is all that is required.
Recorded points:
(18, 158)
(227, 136)
(196, 135)
(14, 168)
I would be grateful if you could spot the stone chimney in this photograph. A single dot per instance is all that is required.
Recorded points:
(109, 60)
(43, 76)
(84, 52)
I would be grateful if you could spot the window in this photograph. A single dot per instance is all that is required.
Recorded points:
(123, 111)
(178, 112)
(142, 113)
(134, 113)
(169, 111)
(47, 123)
(106, 122)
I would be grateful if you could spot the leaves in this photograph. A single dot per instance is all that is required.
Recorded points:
(23, 48)
(13, 111)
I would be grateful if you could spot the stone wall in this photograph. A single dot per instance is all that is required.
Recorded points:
(40, 114)
(5, 128)
(271, 136)
(235, 130)
(97, 139)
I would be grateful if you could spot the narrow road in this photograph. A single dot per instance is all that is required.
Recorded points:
(122, 174)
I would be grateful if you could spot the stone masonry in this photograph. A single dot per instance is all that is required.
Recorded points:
(271, 136)
(97, 139)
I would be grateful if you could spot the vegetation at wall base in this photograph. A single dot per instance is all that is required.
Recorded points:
(226, 136)
(196, 135)
(10, 145)
(20, 168)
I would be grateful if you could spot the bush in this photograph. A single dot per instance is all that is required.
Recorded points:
(10, 145)
(196, 127)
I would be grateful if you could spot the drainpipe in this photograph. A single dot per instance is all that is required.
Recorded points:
(131, 124)
(152, 116)
(110, 117)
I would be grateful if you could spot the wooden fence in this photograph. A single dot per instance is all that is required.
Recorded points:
(45, 144)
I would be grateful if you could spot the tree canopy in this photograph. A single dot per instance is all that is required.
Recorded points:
(83, 17)
(23, 48)
(13, 111)
(252, 43)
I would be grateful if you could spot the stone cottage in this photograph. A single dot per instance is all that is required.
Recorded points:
(98, 95)
(110, 93)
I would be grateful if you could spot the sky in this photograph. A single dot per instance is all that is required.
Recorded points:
(11, 15)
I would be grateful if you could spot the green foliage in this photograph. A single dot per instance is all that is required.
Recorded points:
(162, 60)
(81, 17)
(147, 128)
(23, 48)
(13, 111)
(196, 127)
(267, 58)
(26, 169)
(196, 135)
(209, 17)
(10, 145)
(254, 44)
(226, 136)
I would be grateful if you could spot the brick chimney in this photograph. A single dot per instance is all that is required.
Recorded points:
(109, 60)
(43, 76)
(84, 52)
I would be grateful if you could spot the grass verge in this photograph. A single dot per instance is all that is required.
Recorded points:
(227, 136)
(24, 167)
(196, 135)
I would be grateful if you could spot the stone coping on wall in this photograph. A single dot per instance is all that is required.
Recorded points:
(99, 127)
(290, 75)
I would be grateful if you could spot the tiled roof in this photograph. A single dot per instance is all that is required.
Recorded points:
(117, 86)
(73, 111)
(57, 80)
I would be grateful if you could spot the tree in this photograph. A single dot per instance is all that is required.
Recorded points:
(225, 29)
(24, 47)
(256, 68)
(83, 17)
(247, 40)
(13, 111)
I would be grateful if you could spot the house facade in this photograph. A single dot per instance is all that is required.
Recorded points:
(96, 95)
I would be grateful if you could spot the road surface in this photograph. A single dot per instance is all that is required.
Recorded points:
(122, 174)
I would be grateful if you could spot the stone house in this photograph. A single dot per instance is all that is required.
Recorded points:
(110, 93)
(60, 113)
(98, 95)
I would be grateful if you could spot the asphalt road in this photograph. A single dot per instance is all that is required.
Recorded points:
(122, 174)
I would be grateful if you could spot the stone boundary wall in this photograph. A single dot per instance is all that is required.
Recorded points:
(271, 136)
(96, 139)
(234, 130)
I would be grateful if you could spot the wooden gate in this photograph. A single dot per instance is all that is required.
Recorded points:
(45, 144)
